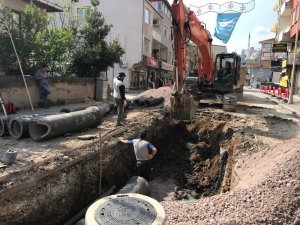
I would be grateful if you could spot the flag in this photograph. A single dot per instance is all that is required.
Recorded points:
(225, 25)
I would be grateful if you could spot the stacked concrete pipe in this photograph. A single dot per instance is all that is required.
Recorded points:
(140, 101)
(18, 126)
(4, 120)
(153, 101)
(57, 125)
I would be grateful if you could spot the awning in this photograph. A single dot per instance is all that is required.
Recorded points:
(274, 27)
(275, 6)
(45, 4)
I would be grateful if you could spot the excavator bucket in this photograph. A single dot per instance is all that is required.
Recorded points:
(183, 107)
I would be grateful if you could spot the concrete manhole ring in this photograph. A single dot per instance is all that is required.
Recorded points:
(125, 210)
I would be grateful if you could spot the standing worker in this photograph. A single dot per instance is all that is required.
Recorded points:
(283, 81)
(42, 78)
(119, 95)
(144, 152)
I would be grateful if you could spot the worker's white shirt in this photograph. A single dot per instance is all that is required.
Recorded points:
(117, 84)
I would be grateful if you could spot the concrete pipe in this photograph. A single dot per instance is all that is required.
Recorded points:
(4, 120)
(68, 110)
(57, 125)
(105, 108)
(18, 126)
(153, 101)
(140, 101)
(137, 185)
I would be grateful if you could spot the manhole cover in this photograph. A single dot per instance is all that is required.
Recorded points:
(125, 210)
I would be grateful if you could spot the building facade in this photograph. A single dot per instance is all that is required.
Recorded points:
(266, 52)
(144, 31)
(286, 28)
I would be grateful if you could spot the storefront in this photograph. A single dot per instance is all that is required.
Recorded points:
(167, 73)
(296, 83)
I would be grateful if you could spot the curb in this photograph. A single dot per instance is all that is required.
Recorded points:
(283, 105)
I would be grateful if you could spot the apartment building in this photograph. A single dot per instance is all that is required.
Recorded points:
(286, 28)
(144, 31)
(266, 52)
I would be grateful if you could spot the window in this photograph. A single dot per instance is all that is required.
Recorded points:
(166, 31)
(81, 13)
(268, 45)
(146, 45)
(157, 5)
(267, 54)
(147, 16)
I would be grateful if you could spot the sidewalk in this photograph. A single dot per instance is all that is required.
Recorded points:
(294, 108)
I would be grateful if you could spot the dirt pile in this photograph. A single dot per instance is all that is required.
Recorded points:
(164, 92)
(267, 193)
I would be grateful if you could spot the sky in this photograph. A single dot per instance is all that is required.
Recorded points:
(257, 22)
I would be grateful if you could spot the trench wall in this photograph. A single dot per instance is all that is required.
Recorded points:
(52, 199)
(68, 89)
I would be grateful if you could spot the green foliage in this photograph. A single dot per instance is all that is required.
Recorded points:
(69, 46)
(94, 54)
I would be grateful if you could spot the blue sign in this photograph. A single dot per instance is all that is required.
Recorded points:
(225, 25)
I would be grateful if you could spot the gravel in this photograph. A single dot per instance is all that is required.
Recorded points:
(267, 193)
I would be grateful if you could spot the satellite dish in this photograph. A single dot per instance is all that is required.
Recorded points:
(286, 29)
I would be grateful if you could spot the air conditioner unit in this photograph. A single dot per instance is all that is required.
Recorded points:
(123, 64)
(156, 22)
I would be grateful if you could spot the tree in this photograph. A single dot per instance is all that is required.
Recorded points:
(94, 54)
(35, 44)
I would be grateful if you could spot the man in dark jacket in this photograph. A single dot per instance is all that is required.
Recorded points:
(119, 95)
(42, 78)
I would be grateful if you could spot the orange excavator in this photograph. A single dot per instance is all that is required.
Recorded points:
(217, 79)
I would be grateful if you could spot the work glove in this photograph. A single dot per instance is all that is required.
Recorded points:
(149, 156)
(124, 103)
(120, 139)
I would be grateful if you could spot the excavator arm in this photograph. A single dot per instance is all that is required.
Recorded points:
(187, 27)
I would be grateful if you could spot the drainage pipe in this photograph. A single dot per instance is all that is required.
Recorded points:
(56, 125)
(140, 101)
(18, 126)
(105, 108)
(153, 101)
(75, 219)
(136, 185)
(4, 120)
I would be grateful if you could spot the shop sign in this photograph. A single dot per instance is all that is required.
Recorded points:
(279, 48)
(151, 62)
(283, 64)
(166, 66)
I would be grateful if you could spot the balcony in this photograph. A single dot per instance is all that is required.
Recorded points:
(286, 8)
(264, 49)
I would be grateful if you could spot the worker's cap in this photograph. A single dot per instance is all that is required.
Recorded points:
(143, 134)
(122, 74)
(283, 71)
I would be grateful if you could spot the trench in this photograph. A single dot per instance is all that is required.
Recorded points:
(188, 153)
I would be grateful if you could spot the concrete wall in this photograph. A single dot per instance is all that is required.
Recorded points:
(70, 89)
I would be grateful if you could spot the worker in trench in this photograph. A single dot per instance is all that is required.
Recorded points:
(144, 152)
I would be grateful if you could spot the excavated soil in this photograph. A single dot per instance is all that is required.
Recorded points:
(259, 184)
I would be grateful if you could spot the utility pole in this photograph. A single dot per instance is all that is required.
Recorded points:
(294, 61)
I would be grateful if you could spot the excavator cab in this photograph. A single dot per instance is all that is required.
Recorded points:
(226, 71)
